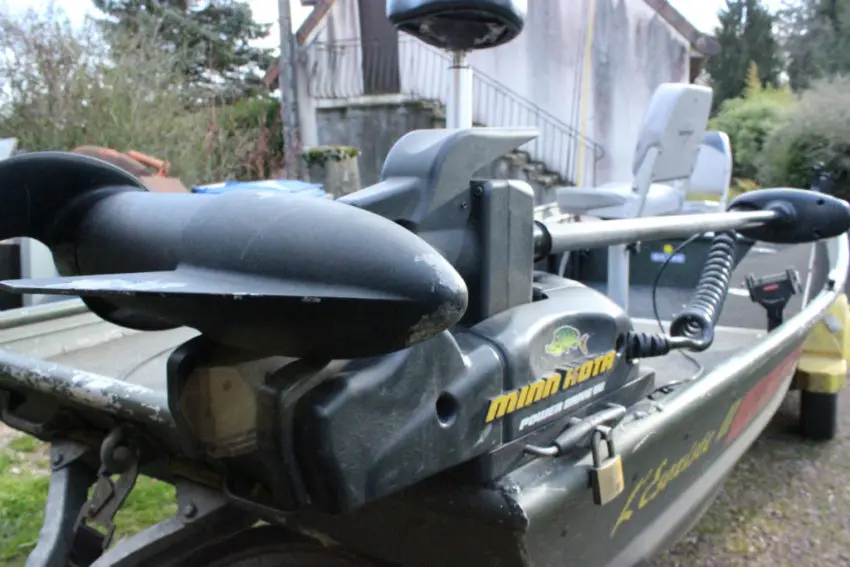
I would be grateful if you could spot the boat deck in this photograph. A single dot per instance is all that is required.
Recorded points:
(85, 342)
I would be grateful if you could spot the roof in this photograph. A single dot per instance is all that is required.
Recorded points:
(702, 43)
(320, 10)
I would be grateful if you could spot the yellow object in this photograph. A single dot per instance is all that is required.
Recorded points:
(585, 89)
(826, 351)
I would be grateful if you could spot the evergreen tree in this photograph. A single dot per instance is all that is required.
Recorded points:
(212, 37)
(745, 36)
(815, 36)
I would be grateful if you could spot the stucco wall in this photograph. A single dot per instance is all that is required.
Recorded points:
(633, 50)
(341, 23)
(603, 91)
(373, 129)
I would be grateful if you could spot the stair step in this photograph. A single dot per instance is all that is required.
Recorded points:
(517, 164)
(534, 168)
(547, 179)
(518, 158)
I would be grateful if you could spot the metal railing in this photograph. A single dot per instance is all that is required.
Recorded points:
(350, 69)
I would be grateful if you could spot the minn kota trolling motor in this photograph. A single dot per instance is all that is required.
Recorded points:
(386, 372)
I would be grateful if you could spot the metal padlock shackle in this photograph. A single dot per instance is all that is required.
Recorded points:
(600, 433)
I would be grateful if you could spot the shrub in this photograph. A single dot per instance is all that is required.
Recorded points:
(749, 120)
(816, 130)
(740, 185)
(65, 87)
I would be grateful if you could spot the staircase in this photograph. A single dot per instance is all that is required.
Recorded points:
(353, 71)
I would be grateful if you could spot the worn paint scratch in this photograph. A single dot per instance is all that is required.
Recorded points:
(86, 389)
(114, 285)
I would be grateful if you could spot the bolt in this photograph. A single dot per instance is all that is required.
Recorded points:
(189, 510)
(478, 190)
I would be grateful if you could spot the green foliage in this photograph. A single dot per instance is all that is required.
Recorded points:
(815, 130)
(749, 120)
(320, 155)
(64, 88)
(252, 128)
(740, 185)
(815, 35)
(745, 35)
(213, 39)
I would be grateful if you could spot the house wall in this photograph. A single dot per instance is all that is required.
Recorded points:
(373, 129)
(591, 64)
(633, 50)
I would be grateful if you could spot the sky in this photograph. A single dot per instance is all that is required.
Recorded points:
(701, 13)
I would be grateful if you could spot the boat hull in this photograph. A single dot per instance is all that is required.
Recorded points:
(677, 450)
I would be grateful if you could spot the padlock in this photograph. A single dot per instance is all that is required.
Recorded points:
(606, 475)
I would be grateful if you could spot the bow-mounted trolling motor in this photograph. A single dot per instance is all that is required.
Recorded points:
(260, 271)
(350, 349)
(324, 323)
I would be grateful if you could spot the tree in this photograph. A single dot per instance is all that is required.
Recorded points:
(815, 36)
(745, 36)
(748, 121)
(214, 38)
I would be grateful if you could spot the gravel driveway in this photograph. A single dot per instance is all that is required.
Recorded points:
(786, 503)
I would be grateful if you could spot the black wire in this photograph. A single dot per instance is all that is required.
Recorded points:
(679, 248)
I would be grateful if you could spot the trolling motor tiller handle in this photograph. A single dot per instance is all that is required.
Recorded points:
(786, 216)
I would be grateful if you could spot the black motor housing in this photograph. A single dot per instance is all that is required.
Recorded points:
(340, 435)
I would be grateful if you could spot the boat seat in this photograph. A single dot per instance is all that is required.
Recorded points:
(619, 200)
(665, 154)
(668, 144)
(712, 174)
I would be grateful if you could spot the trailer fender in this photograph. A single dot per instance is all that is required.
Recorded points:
(824, 361)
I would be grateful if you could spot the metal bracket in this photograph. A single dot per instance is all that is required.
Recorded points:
(70, 480)
(203, 516)
(579, 429)
(119, 455)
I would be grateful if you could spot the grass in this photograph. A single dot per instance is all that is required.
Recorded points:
(23, 490)
(733, 192)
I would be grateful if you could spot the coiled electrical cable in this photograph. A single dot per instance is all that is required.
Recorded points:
(700, 315)
(693, 328)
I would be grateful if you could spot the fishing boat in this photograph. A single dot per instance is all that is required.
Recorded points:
(395, 377)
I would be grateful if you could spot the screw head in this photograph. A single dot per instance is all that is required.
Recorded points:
(478, 190)
(189, 510)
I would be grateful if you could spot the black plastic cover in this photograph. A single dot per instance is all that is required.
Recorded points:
(803, 216)
(259, 270)
(459, 24)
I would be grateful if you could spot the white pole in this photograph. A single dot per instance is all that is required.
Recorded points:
(459, 108)
(618, 275)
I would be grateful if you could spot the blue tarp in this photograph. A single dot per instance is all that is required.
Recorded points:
(285, 185)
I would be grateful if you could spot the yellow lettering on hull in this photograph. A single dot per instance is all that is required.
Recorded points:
(656, 481)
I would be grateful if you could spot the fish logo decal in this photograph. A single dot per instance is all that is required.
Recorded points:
(565, 340)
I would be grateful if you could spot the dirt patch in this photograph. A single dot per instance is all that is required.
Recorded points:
(7, 434)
